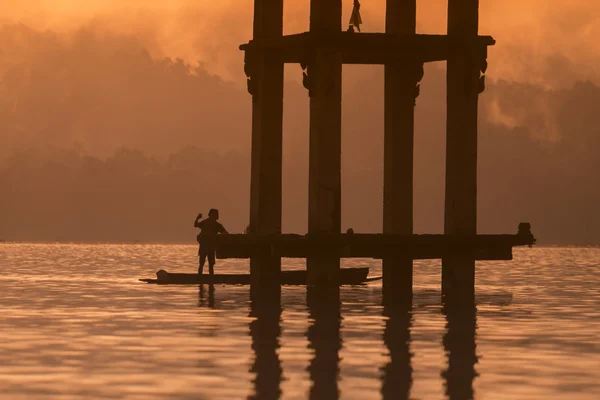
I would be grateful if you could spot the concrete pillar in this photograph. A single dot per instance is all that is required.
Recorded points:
(401, 80)
(458, 271)
(265, 72)
(324, 193)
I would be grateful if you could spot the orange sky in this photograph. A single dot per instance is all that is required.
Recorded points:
(100, 92)
(528, 31)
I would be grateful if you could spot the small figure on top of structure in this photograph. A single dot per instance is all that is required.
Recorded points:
(355, 18)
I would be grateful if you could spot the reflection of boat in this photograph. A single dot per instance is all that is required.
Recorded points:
(348, 276)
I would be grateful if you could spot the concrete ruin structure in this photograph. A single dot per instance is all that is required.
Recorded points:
(321, 52)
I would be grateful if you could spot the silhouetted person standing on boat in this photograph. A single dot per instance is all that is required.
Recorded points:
(209, 229)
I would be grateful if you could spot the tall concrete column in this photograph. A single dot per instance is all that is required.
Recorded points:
(265, 83)
(401, 81)
(458, 271)
(324, 193)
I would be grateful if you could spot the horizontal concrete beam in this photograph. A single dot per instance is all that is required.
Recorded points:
(367, 48)
(481, 247)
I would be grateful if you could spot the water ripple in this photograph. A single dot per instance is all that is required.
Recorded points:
(77, 324)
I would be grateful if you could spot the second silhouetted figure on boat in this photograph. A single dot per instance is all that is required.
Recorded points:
(209, 229)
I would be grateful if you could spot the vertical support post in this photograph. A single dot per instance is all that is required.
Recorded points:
(265, 83)
(401, 88)
(324, 192)
(458, 270)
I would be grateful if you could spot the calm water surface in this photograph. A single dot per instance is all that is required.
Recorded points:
(77, 324)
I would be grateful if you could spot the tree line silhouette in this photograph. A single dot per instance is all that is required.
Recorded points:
(102, 142)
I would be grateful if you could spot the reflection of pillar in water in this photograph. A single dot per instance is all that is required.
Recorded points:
(325, 339)
(265, 330)
(460, 347)
(397, 373)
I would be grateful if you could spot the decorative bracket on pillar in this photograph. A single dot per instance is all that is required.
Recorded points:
(308, 76)
(483, 65)
(250, 71)
(418, 72)
(477, 65)
(306, 79)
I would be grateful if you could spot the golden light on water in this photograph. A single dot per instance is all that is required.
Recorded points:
(76, 322)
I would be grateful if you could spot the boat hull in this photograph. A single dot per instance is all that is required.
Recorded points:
(348, 276)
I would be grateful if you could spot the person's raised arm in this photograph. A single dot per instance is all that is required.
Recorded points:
(197, 221)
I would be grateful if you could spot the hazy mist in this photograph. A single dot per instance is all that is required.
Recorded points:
(121, 123)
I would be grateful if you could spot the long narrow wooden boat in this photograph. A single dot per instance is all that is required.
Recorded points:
(348, 276)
